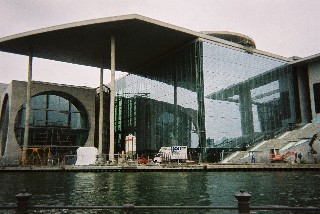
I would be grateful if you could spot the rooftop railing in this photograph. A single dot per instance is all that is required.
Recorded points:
(243, 206)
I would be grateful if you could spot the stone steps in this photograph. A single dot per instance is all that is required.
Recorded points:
(295, 141)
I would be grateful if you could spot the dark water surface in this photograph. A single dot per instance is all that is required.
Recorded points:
(163, 188)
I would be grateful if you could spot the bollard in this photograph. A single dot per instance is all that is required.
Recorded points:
(243, 202)
(128, 208)
(22, 202)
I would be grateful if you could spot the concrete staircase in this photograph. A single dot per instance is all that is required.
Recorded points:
(294, 141)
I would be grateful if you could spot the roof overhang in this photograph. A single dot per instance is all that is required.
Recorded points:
(139, 40)
(307, 60)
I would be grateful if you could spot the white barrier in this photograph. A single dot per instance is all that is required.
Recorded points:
(86, 155)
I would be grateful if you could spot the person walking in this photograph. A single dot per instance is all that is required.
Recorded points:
(295, 157)
(253, 159)
(299, 157)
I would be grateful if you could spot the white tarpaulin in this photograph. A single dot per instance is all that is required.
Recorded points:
(86, 155)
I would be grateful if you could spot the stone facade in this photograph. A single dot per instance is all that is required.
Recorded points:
(15, 95)
(314, 77)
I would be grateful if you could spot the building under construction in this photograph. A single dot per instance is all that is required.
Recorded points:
(199, 89)
(62, 120)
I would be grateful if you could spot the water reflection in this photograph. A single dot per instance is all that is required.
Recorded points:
(197, 188)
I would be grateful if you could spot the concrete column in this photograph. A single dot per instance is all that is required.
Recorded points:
(112, 95)
(101, 114)
(304, 95)
(27, 118)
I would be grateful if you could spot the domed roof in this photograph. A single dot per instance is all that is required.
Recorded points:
(232, 37)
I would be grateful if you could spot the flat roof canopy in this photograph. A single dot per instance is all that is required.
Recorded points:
(139, 40)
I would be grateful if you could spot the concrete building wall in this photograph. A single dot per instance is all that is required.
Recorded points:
(3, 92)
(314, 77)
(3, 87)
(17, 97)
(12, 150)
(4, 119)
(304, 94)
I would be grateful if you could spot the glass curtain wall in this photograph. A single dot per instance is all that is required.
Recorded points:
(205, 95)
(158, 104)
(247, 96)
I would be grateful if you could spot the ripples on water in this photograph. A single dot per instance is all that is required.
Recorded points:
(163, 188)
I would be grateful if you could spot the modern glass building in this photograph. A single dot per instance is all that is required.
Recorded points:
(206, 95)
(201, 90)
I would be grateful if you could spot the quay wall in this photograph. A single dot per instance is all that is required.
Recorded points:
(198, 168)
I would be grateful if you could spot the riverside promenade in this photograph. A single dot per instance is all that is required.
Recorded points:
(166, 168)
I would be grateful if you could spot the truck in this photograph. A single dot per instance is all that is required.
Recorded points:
(171, 154)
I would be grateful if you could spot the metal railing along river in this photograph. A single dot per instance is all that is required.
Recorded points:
(243, 207)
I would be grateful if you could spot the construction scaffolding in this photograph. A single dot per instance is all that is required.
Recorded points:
(53, 145)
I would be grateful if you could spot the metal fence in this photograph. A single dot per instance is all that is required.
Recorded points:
(243, 207)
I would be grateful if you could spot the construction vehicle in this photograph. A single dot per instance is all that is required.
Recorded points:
(142, 160)
(275, 156)
(172, 154)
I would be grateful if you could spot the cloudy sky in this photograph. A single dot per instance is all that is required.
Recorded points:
(283, 27)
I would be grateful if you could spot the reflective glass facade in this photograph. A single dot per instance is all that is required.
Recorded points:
(205, 95)
(247, 95)
(159, 106)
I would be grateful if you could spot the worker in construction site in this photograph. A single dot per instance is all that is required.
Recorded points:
(253, 159)
(315, 160)
(300, 157)
(312, 151)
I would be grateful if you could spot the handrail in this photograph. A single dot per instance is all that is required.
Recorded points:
(243, 206)
(284, 208)
(131, 206)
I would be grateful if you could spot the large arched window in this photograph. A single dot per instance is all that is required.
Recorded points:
(57, 121)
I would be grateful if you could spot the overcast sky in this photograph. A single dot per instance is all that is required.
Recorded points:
(283, 27)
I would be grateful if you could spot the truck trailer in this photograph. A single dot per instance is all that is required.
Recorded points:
(172, 154)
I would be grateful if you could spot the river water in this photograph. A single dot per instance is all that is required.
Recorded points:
(163, 188)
